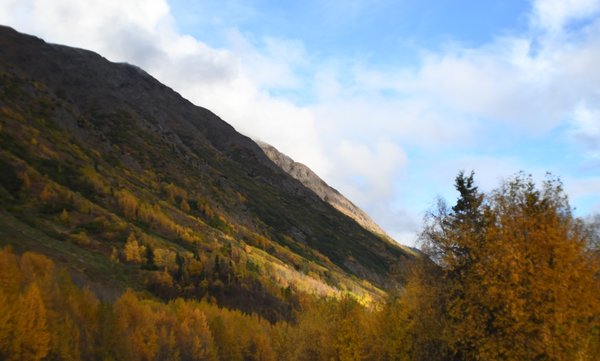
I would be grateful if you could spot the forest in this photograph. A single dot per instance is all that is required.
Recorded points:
(510, 274)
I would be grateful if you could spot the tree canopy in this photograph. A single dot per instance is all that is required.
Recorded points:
(517, 280)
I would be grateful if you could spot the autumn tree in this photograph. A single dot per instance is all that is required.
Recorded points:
(30, 338)
(134, 252)
(136, 329)
(351, 331)
(227, 346)
(410, 325)
(192, 332)
(128, 203)
(518, 282)
(5, 324)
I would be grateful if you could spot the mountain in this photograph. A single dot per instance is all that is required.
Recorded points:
(328, 194)
(129, 185)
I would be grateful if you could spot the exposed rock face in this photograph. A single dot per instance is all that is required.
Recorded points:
(327, 193)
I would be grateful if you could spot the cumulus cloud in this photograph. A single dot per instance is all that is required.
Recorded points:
(554, 15)
(467, 98)
(369, 169)
(274, 66)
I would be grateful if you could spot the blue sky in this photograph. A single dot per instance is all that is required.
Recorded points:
(386, 99)
(386, 30)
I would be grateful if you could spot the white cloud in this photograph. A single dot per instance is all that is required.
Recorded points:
(369, 171)
(462, 99)
(584, 192)
(554, 15)
(586, 129)
(509, 82)
(272, 67)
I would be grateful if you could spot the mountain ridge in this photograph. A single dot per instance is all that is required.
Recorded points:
(105, 157)
(312, 181)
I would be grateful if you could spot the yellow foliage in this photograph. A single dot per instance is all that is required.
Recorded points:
(128, 203)
(81, 238)
(174, 192)
(64, 217)
(94, 179)
(30, 336)
(135, 328)
(517, 281)
(165, 258)
(133, 251)
(5, 322)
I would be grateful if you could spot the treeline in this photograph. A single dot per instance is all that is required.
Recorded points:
(512, 275)
(46, 317)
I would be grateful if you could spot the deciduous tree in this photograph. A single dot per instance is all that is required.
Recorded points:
(519, 282)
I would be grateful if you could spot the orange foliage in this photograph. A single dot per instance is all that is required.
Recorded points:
(133, 251)
(517, 283)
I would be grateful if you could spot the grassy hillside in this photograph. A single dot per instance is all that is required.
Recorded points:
(127, 184)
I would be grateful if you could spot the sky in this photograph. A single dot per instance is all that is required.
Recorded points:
(385, 99)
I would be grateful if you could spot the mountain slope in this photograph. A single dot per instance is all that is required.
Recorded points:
(104, 157)
(313, 182)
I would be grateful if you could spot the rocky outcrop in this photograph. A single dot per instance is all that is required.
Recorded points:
(327, 193)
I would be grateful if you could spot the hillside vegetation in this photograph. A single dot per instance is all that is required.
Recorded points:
(131, 186)
(516, 281)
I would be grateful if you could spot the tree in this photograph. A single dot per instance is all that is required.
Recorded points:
(128, 203)
(350, 339)
(64, 217)
(518, 282)
(134, 252)
(184, 206)
(450, 234)
(135, 325)
(192, 332)
(410, 325)
(30, 338)
(5, 323)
